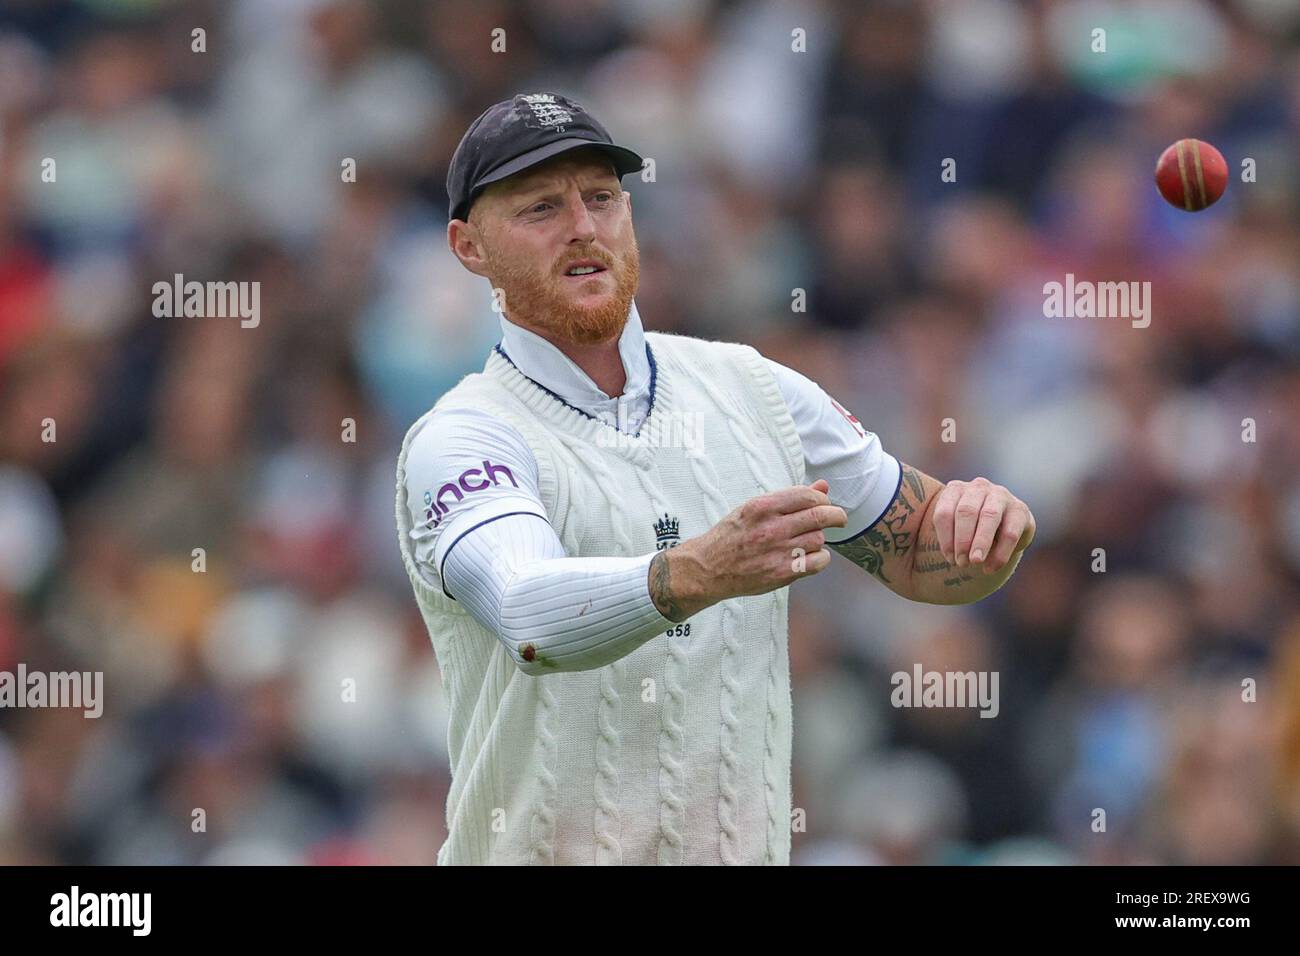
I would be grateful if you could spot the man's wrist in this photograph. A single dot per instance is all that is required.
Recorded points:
(671, 588)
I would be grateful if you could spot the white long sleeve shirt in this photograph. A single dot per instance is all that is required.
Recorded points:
(480, 533)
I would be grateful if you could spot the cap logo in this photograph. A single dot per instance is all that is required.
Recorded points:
(543, 111)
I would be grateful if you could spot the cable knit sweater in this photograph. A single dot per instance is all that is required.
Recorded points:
(678, 753)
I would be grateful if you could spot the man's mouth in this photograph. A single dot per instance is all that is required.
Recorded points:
(583, 268)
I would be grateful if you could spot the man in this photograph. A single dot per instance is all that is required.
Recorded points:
(609, 611)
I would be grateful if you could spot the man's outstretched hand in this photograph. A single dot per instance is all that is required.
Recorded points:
(764, 544)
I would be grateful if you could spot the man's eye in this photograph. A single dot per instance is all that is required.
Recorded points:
(540, 207)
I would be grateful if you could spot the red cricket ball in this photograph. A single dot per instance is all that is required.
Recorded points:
(1191, 175)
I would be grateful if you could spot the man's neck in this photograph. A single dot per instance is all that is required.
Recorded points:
(602, 362)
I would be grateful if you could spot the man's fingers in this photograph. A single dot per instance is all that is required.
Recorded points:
(965, 519)
(1009, 534)
(807, 543)
(797, 498)
(815, 518)
(986, 529)
(810, 562)
(1027, 536)
(944, 517)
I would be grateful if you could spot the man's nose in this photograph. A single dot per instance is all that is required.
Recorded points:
(582, 228)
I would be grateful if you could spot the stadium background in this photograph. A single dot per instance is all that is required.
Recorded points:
(775, 170)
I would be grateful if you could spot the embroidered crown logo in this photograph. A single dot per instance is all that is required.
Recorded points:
(666, 535)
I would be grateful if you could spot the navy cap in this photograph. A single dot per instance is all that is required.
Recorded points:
(510, 136)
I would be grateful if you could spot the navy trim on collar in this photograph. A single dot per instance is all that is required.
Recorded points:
(654, 375)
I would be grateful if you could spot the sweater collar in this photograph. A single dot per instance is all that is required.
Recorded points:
(546, 365)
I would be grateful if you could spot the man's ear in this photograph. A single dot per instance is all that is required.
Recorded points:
(466, 245)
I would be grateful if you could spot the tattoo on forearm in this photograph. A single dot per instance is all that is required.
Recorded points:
(887, 538)
(938, 565)
(925, 565)
(661, 590)
(913, 481)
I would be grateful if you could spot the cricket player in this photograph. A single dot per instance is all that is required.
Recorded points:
(606, 592)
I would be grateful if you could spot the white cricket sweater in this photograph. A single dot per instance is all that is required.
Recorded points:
(680, 751)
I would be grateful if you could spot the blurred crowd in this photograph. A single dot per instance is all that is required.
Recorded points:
(181, 510)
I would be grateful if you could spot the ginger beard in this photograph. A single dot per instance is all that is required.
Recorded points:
(539, 299)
